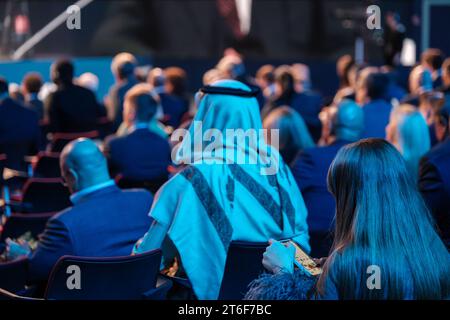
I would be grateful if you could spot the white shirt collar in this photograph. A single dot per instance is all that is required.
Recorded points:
(78, 196)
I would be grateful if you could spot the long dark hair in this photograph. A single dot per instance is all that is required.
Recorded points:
(382, 220)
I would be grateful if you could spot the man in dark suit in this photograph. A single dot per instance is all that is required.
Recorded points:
(19, 130)
(370, 94)
(104, 220)
(31, 86)
(310, 171)
(71, 108)
(434, 184)
(140, 154)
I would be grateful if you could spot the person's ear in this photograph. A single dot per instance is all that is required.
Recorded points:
(72, 180)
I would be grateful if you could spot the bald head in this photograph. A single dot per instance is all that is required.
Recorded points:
(83, 165)
(349, 121)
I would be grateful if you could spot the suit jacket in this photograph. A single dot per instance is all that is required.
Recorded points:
(434, 184)
(174, 108)
(376, 118)
(139, 155)
(19, 133)
(310, 172)
(73, 109)
(104, 223)
(37, 106)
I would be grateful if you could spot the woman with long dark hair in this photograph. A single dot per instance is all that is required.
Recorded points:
(382, 224)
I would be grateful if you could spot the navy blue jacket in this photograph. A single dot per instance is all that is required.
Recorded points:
(73, 109)
(174, 108)
(104, 223)
(434, 184)
(310, 171)
(376, 118)
(19, 133)
(139, 155)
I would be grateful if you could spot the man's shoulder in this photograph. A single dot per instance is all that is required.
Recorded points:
(439, 152)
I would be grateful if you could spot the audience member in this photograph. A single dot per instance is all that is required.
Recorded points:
(123, 68)
(370, 95)
(381, 221)
(311, 167)
(103, 222)
(141, 154)
(174, 99)
(19, 130)
(31, 85)
(408, 132)
(197, 208)
(307, 104)
(432, 59)
(293, 135)
(434, 182)
(70, 108)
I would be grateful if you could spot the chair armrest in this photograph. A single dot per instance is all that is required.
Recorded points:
(6, 295)
(163, 286)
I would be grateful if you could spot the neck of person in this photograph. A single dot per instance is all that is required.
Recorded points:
(91, 186)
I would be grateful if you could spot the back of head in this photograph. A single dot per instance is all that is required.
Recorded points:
(376, 85)
(381, 220)
(410, 135)
(285, 80)
(348, 122)
(32, 82)
(176, 81)
(83, 165)
(432, 58)
(123, 65)
(343, 67)
(62, 72)
(293, 132)
(141, 102)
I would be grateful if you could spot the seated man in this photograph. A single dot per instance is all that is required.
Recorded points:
(311, 168)
(141, 154)
(19, 130)
(434, 184)
(71, 108)
(103, 222)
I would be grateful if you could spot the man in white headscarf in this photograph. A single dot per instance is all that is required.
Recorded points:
(217, 199)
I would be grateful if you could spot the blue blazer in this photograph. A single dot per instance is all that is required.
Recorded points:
(104, 223)
(434, 184)
(376, 118)
(310, 171)
(139, 155)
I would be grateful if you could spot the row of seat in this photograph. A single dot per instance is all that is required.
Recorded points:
(131, 277)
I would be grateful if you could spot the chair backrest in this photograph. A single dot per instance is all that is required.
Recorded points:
(18, 224)
(13, 275)
(118, 278)
(45, 195)
(47, 166)
(60, 139)
(244, 264)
